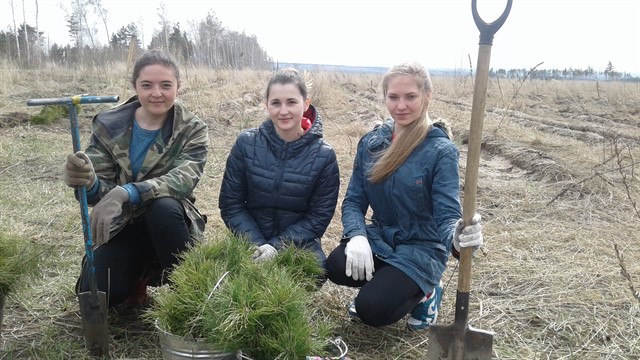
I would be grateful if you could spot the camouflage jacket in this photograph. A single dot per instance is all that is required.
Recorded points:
(172, 167)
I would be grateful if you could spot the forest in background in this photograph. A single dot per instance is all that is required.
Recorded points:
(205, 43)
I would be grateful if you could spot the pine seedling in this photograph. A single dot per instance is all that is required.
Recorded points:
(17, 261)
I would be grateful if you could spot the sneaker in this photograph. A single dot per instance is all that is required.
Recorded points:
(351, 310)
(425, 313)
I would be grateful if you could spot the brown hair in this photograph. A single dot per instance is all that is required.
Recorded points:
(154, 57)
(402, 146)
(288, 76)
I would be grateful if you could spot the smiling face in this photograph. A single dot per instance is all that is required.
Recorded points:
(286, 105)
(157, 88)
(405, 101)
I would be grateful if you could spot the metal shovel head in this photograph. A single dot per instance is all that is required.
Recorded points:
(94, 322)
(455, 342)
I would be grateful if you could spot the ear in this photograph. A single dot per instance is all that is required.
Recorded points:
(307, 103)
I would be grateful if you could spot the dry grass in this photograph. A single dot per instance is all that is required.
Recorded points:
(557, 190)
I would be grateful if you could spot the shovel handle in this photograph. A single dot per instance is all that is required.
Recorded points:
(475, 134)
(81, 191)
(487, 30)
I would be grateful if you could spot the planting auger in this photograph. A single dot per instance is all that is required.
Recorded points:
(460, 341)
(93, 304)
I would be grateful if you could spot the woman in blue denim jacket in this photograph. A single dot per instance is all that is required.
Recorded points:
(406, 170)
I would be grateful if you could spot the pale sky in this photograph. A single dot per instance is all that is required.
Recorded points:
(436, 33)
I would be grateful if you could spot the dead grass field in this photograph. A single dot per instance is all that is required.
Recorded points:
(559, 188)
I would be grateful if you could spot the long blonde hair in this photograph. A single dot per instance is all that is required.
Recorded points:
(402, 146)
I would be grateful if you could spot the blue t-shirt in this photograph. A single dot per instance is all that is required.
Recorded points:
(141, 141)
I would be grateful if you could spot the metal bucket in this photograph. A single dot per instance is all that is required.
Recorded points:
(177, 348)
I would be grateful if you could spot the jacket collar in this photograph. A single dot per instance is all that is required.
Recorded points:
(315, 132)
(114, 128)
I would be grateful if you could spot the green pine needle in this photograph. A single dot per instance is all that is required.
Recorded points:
(264, 309)
(17, 261)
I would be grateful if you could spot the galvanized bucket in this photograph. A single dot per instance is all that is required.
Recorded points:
(178, 348)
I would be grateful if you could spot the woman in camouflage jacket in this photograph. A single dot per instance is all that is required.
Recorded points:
(143, 162)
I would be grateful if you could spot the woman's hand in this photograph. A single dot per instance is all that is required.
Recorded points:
(78, 170)
(264, 252)
(468, 236)
(104, 211)
(359, 258)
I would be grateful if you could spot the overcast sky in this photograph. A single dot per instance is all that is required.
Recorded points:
(437, 33)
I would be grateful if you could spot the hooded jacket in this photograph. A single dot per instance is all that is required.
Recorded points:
(414, 209)
(275, 192)
(172, 167)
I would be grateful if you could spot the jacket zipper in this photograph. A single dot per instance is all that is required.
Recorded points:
(276, 191)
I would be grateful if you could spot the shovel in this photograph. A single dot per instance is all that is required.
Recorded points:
(460, 341)
(93, 304)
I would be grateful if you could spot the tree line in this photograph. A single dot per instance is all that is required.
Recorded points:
(203, 43)
(609, 73)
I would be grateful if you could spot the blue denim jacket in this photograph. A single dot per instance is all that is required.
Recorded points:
(414, 210)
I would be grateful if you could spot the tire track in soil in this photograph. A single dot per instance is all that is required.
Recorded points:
(499, 161)
(583, 129)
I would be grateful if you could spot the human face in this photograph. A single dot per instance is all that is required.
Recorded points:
(286, 105)
(157, 88)
(405, 101)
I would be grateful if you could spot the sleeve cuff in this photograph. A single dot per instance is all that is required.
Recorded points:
(134, 195)
(94, 189)
(455, 253)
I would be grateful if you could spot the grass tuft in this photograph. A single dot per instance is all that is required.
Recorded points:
(52, 113)
(17, 261)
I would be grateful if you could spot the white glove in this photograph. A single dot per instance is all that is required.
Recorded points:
(264, 252)
(468, 236)
(359, 259)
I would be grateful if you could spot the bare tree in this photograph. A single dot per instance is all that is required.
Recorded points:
(82, 7)
(102, 13)
(26, 36)
(15, 28)
(165, 24)
(38, 48)
(141, 23)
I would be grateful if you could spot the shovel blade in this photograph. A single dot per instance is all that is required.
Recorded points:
(94, 322)
(452, 342)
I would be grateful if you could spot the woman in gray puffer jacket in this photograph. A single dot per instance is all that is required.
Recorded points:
(281, 180)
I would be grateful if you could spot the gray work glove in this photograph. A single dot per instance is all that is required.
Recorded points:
(359, 259)
(104, 212)
(264, 252)
(468, 236)
(78, 170)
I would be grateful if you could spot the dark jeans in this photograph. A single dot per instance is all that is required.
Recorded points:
(387, 298)
(148, 247)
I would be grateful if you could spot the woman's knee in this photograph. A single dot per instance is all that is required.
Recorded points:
(335, 265)
(162, 207)
(372, 313)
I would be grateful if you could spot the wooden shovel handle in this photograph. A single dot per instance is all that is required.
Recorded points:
(475, 132)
